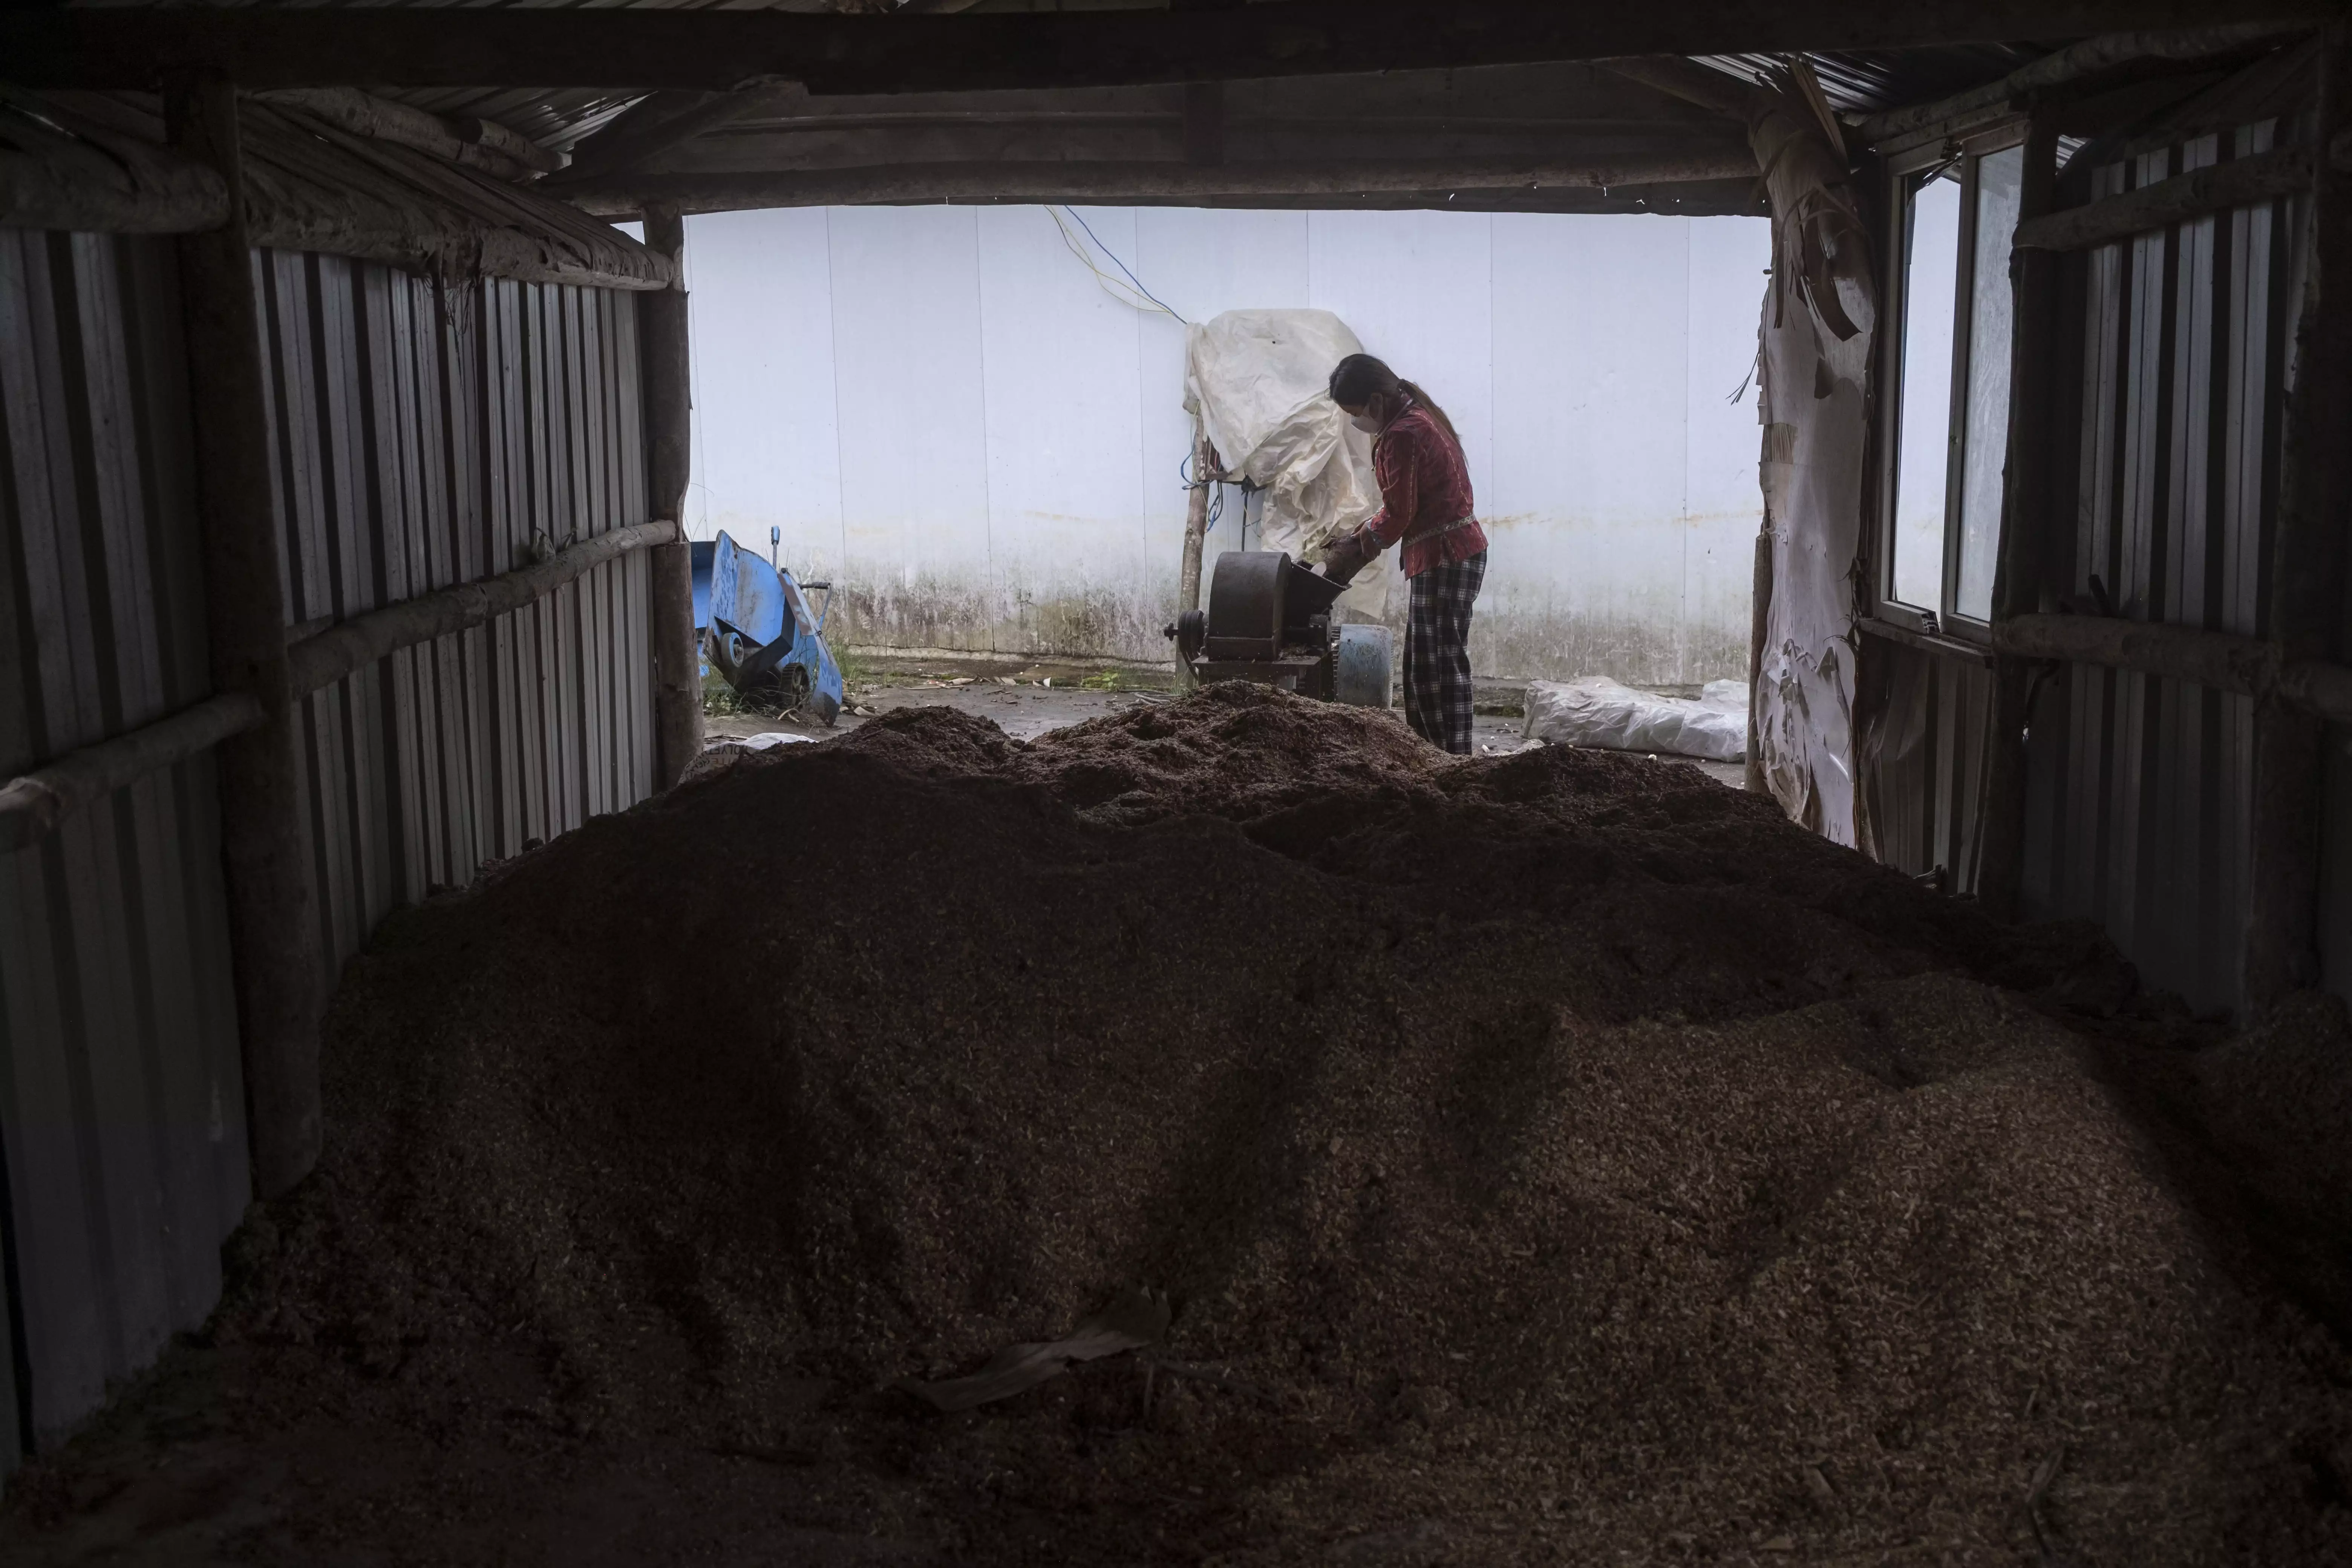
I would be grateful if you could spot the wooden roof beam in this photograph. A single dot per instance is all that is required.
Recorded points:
(1048, 180)
(720, 50)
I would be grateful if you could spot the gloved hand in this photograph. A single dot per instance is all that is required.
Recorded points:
(1345, 556)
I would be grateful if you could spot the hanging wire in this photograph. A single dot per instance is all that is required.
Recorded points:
(1125, 292)
(1216, 488)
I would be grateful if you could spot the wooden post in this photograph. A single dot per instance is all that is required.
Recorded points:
(272, 929)
(2027, 520)
(1759, 624)
(669, 439)
(2306, 581)
(1196, 534)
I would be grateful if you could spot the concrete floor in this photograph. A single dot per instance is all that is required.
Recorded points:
(1024, 707)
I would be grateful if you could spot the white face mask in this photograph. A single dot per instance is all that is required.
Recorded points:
(1366, 423)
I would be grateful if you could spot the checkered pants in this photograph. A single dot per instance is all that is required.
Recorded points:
(1437, 653)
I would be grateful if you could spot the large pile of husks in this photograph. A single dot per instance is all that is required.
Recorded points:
(1551, 1158)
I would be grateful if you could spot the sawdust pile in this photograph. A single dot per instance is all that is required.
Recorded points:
(1547, 1158)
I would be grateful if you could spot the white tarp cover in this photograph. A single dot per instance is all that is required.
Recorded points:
(1594, 710)
(1259, 382)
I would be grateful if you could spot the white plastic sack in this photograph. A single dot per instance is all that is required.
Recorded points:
(1594, 710)
(1259, 382)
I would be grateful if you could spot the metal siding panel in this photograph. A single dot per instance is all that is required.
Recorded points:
(586, 419)
(641, 676)
(150, 292)
(172, 1068)
(2137, 569)
(523, 753)
(2246, 454)
(61, 1260)
(108, 448)
(118, 1172)
(62, 642)
(214, 1021)
(324, 826)
(114, 978)
(299, 466)
(1975, 692)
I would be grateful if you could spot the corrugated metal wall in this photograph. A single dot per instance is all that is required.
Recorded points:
(122, 1110)
(1923, 758)
(423, 436)
(2141, 786)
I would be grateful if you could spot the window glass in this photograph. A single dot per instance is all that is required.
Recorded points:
(1986, 443)
(1929, 306)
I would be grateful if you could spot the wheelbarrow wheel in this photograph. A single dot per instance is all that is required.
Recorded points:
(791, 688)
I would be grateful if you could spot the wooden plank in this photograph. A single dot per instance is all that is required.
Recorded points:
(2200, 193)
(718, 50)
(2028, 518)
(318, 662)
(32, 804)
(269, 895)
(474, 142)
(2306, 585)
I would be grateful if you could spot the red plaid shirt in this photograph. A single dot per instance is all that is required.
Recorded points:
(1425, 494)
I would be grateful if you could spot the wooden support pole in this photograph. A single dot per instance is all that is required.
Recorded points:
(2027, 518)
(669, 443)
(273, 933)
(1196, 533)
(2281, 953)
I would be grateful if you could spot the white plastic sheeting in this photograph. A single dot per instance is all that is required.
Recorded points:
(1257, 381)
(1594, 710)
(1815, 412)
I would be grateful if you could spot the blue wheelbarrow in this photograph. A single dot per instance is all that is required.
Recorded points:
(758, 634)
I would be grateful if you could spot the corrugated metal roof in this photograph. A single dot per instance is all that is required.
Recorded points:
(1869, 81)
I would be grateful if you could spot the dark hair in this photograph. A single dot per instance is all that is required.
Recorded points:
(1359, 378)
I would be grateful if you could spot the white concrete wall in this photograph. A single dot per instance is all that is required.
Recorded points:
(943, 411)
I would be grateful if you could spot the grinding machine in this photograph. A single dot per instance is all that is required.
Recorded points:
(1270, 619)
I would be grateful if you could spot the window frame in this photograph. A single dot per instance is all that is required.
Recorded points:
(1969, 153)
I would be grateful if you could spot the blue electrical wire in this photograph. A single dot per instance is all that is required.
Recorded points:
(1115, 261)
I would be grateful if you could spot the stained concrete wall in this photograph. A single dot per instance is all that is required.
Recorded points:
(943, 411)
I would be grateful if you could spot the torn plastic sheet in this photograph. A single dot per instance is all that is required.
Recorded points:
(1594, 710)
(1815, 411)
(1132, 1321)
(1259, 381)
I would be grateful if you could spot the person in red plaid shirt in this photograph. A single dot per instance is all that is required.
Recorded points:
(1425, 502)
